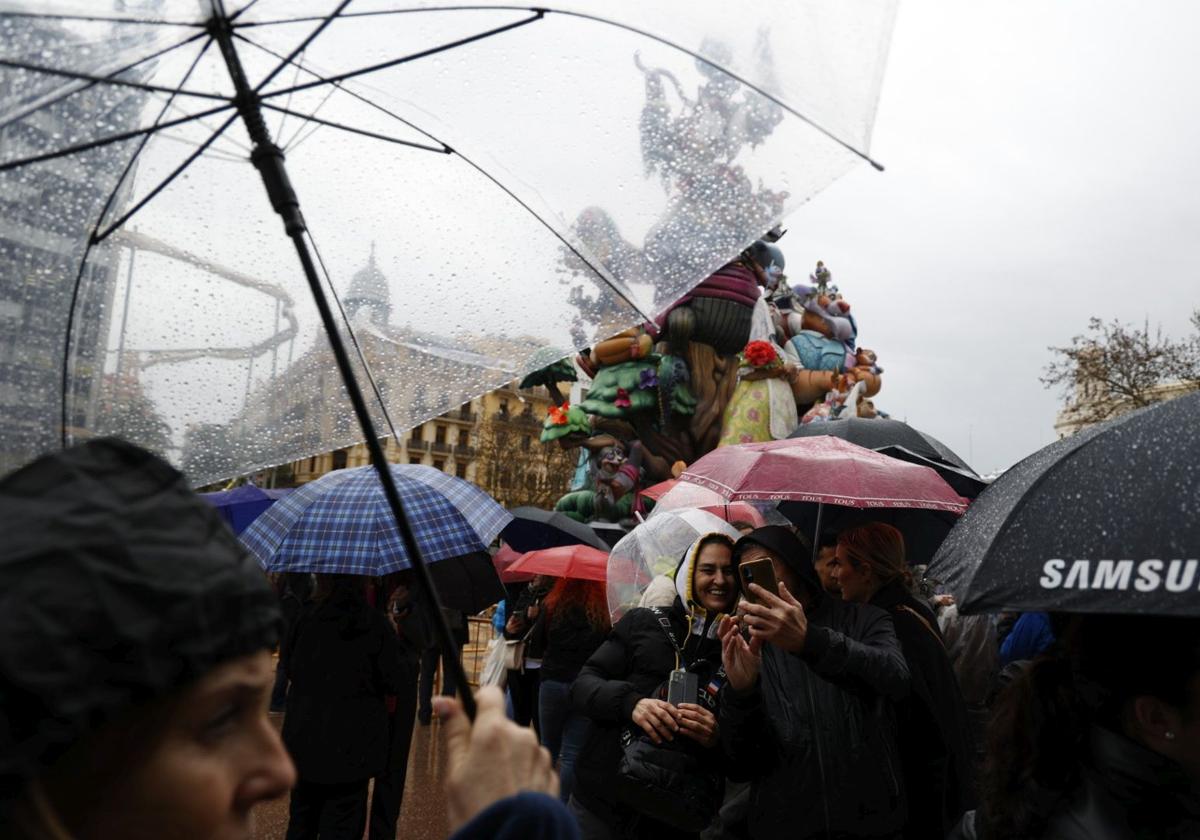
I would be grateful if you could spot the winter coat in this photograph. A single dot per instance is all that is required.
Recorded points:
(568, 639)
(633, 663)
(1126, 792)
(525, 816)
(530, 597)
(1030, 636)
(343, 659)
(933, 725)
(816, 735)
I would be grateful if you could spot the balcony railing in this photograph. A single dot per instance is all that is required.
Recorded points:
(418, 445)
(463, 451)
(459, 415)
(440, 446)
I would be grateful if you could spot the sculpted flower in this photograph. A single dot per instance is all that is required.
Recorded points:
(622, 400)
(760, 354)
(558, 414)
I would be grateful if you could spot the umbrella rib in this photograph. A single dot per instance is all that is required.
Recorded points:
(146, 139)
(110, 139)
(60, 97)
(303, 45)
(383, 65)
(617, 287)
(107, 80)
(335, 86)
(442, 150)
(199, 150)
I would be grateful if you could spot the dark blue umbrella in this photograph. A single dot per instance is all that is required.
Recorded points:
(341, 523)
(242, 505)
(534, 528)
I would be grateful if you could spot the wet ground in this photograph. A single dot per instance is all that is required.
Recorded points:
(423, 813)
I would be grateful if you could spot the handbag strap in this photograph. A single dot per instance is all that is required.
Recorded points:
(664, 622)
(924, 623)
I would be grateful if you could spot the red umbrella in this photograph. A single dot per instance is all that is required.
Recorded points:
(569, 561)
(823, 469)
(656, 491)
(503, 560)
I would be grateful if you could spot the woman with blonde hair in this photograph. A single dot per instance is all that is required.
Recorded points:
(934, 741)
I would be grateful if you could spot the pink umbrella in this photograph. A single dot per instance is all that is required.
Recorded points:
(503, 560)
(824, 470)
(569, 561)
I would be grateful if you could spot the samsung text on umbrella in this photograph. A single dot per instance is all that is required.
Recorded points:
(1143, 575)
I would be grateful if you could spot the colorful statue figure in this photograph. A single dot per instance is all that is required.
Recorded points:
(616, 475)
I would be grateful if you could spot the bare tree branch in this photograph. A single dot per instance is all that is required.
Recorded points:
(1114, 368)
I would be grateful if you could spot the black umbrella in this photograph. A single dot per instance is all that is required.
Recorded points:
(923, 530)
(1105, 521)
(878, 433)
(533, 528)
(965, 482)
(468, 584)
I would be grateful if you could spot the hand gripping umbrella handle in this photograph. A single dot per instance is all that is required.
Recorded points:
(269, 160)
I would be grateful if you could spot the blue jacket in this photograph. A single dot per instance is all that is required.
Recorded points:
(1030, 636)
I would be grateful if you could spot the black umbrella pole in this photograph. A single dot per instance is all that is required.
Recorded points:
(268, 159)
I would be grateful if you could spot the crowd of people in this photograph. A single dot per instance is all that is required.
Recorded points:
(837, 695)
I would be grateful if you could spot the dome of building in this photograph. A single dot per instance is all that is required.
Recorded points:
(369, 292)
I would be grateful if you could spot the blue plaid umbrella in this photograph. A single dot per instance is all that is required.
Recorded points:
(341, 523)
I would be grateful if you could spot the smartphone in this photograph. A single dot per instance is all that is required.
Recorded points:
(682, 687)
(760, 572)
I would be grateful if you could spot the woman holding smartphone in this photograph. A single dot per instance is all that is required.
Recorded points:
(655, 655)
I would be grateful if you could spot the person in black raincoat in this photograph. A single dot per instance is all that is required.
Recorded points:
(410, 620)
(622, 689)
(342, 660)
(1099, 740)
(934, 728)
(524, 683)
(806, 714)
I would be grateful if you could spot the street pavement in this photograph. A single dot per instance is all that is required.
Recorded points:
(423, 814)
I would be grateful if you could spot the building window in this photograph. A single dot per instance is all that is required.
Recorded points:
(439, 434)
(439, 464)
(312, 464)
(415, 459)
(339, 459)
(460, 470)
(464, 437)
(416, 434)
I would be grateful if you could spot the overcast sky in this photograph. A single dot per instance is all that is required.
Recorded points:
(1042, 168)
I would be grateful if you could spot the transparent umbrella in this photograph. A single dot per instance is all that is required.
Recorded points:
(654, 548)
(436, 168)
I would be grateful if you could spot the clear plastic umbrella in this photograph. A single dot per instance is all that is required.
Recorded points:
(654, 548)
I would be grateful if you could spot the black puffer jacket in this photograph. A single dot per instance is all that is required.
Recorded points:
(816, 735)
(1127, 792)
(633, 663)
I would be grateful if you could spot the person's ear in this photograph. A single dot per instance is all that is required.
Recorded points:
(1156, 723)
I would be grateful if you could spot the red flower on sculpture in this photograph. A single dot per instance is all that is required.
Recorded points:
(622, 400)
(558, 414)
(760, 354)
